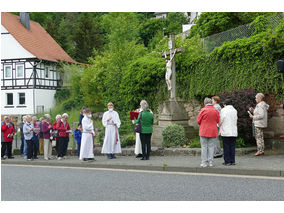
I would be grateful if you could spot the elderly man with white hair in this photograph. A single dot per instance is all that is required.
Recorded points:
(47, 129)
(64, 129)
(208, 118)
(147, 120)
(111, 122)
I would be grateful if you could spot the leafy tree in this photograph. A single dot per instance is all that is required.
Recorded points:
(87, 37)
(175, 22)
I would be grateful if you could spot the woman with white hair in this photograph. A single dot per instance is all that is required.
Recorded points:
(259, 121)
(47, 129)
(208, 118)
(147, 120)
(111, 122)
(28, 134)
(64, 129)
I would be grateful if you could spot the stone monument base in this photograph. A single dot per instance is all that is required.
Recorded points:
(173, 113)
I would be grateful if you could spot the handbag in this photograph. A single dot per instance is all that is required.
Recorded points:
(138, 126)
(55, 133)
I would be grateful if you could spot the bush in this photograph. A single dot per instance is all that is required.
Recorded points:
(99, 139)
(242, 100)
(129, 140)
(62, 94)
(173, 135)
(194, 143)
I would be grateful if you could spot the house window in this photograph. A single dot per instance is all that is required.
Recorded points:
(9, 98)
(8, 71)
(20, 71)
(22, 98)
(46, 72)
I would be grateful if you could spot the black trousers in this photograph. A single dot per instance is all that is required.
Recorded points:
(22, 145)
(8, 146)
(30, 148)
(229, 147)
(62, 146)
(146, 144)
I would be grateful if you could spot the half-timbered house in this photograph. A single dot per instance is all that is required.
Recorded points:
(30, 62)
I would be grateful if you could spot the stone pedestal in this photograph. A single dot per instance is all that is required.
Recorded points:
(173, 113)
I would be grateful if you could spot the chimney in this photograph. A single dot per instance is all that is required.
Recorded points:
(25, 20)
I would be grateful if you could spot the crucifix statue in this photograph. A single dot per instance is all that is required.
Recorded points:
(171, 65)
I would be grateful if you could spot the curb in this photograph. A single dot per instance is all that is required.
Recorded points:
(228, 171)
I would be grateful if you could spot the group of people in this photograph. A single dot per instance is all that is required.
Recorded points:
(215, 121)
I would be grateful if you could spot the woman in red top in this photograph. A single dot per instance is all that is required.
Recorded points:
(208, 118)
(8, 131)
(64, 129)
(58, 118)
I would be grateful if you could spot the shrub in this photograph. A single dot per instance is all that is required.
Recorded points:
(174, 135)
(99, 139)
(62, 94)
(129, 140)
(194, 143)
(242, 100)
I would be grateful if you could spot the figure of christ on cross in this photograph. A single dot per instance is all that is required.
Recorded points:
(171, 66)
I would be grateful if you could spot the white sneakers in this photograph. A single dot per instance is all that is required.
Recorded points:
(59, 158)
(203, 165)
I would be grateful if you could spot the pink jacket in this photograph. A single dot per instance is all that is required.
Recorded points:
(208, 118)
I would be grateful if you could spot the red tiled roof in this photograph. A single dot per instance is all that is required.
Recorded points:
(36, 40)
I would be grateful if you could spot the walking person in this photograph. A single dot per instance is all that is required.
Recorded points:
(64, 129)
(259, 119)
(229, 131)
(78, 138)
(147, 120)
(8, 133)
(28, 134)
(22, 135)
(208, 118)
(47, 130)
(36, 131)
(111, 123)
(217, 147)
(88, 133)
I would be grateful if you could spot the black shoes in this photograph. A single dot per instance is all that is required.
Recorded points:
(218, 156)
(143, 158)
(11, 157)
(233, 164)
(139, 156)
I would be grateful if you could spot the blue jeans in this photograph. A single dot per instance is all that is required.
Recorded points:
(25, 148)
(78, 148)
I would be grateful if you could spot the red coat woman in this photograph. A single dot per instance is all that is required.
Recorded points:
(8, 132)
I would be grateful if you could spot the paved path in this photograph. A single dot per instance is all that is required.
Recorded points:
(91, 184)
(267, 165)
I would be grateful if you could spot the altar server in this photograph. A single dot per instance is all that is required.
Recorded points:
(88, 133)
(111, 123)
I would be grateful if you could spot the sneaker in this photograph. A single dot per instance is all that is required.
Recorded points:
(46, 159)
(226, 164)
(203, 165)
(210, 164)
(29, 159)
(59, 158)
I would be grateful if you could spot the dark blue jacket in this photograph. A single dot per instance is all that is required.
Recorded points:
(78, 135)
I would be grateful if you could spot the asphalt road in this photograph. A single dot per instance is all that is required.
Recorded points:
(59, 184)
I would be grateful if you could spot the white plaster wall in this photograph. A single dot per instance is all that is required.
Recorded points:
(16, 111)
(11, 48)
(44, 97)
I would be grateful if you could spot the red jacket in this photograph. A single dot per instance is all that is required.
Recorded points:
(208, 118)
(6, 131)
(62, 129)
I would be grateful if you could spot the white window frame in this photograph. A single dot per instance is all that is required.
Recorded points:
(21, 65)
(19, 98)
(5, 66)
(7, 99)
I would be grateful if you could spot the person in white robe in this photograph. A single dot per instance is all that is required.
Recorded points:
(138, 146)
(111, 123)
(88, 133)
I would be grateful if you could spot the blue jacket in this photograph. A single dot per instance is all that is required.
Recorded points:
(78, 135)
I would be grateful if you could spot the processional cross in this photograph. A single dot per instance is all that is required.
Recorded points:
(171, 65)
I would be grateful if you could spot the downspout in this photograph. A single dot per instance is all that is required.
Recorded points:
(34, 84)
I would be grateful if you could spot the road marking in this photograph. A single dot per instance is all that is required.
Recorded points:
(149, 171)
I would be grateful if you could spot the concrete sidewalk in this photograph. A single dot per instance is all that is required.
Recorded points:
(266, 165)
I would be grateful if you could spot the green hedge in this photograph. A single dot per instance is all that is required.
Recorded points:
(174, 135)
